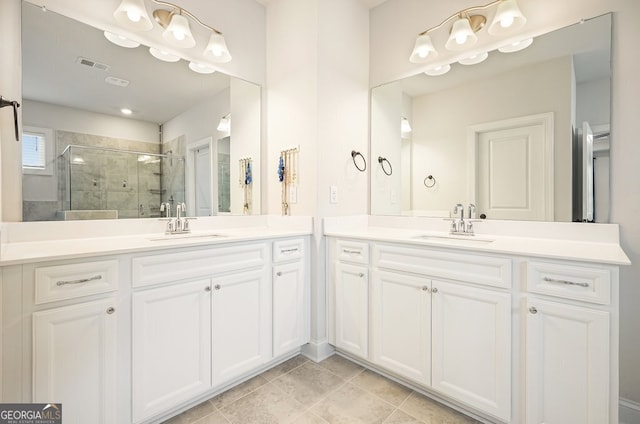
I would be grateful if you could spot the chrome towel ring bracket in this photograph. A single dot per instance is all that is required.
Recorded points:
(429, 181)
(354, 155)
(382, 162)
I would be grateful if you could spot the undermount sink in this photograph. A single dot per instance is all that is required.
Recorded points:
(454, 239)
(169, 237)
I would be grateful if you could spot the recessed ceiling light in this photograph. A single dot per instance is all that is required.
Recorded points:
(120, 82)
(126, 111)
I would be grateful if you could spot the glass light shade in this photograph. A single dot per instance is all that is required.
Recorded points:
(201, 68)
(132, 14)
(508, 18)
(163, 55)
(435, 71)
(462, 36)
(121, 40)
(178, 33)
(217, 50)
(404, 125)
(225, 124)
(516, 47)
(423, 49)
(474, 58)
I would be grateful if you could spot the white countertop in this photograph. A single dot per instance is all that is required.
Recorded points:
(27, 247)
(601, 248)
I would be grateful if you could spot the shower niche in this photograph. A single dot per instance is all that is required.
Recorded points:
(102, 183)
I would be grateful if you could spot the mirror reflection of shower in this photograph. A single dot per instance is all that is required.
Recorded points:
(224, 175)
(102, 183)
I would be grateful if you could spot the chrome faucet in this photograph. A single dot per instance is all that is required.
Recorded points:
(180, 224)
(460, 226)
(166, 208)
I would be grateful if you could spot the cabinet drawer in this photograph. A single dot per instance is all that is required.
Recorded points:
(352, 251)
(287, 250)
(182, 265)
(480, 269)
(70, 281)
(586, 283)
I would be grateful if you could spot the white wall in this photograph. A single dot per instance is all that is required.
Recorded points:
(317, 94)
(440, 122)
(394, 27)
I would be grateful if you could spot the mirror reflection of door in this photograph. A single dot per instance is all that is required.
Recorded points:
(202, 170)
(224, 175)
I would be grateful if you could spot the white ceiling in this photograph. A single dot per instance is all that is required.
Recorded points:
(369, 3)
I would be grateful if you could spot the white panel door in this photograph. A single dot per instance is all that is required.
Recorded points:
(511, 173)
(171, 346)
(567, 364)
(471, 346)
(290, 309)
(74, 361)
(352, 309)
(241, 323)
(401, 324)
(202, 170)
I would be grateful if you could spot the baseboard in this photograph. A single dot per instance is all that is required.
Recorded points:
(318, 350)
(629, 412)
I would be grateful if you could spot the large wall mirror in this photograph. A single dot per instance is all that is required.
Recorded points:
(522, 135)
(84, 159)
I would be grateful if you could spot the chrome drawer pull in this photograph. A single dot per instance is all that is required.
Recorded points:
(80, 281)
(351, 252)
(570, 283)
(295, 249)
(533, 310)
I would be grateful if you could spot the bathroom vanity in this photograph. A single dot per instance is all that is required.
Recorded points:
(518, 324)
(135, 328)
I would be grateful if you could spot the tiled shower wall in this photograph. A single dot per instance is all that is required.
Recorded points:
(173, 175)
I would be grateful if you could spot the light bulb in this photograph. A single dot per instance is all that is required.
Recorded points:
(506, 21)
(133, 15)
(461, 38)
(179, 35)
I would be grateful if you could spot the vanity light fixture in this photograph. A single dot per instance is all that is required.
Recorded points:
(508, 18)
(163, 55)
(225, 123)
(132, 14)
(201, 68)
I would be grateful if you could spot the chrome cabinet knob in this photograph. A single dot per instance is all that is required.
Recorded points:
(279, 273)
(208, 288)
(425, 288)
(361, 275)
(533, 310)
(111, 310)
(217, 287)
(434, 290)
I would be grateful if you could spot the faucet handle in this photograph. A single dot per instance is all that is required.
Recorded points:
(472, 210)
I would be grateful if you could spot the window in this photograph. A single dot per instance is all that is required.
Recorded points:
(37, 151)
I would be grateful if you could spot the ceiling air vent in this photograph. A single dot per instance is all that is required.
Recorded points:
(92, 64)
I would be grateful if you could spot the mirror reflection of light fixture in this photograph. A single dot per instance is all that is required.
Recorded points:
(201, 68)
(225, 123)
(132, 14)
(405, 127)
(438, 70)
(517, 46)
(163, 55)
(120, 40)
(508, 18)
(474, 58)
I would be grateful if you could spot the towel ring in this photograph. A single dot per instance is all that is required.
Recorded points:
(381, 161)
(429, 181)
(355, 154)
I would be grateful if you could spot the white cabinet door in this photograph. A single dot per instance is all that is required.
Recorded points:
(471, 346)
(241, 323)
(401, 324)
(352, 309)
(567, 364)
(74, 360)
(171, 346)
(290, 308)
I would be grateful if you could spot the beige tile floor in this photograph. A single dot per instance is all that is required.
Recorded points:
(335, 391)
